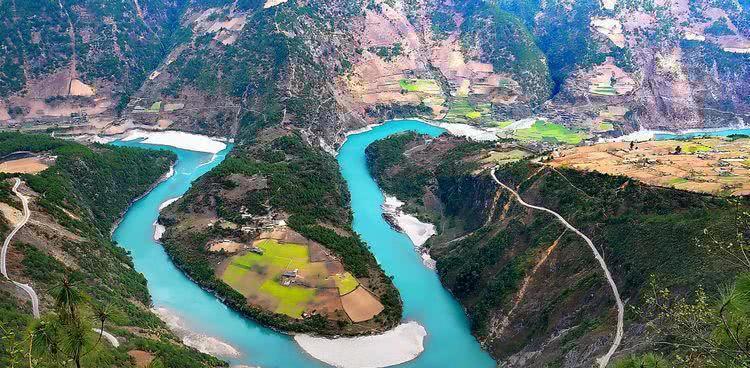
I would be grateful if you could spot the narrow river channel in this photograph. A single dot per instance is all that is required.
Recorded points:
(449, 342)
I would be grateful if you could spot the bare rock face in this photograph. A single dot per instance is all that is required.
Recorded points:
(666, 97)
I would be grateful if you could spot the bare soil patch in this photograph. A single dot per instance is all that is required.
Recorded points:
(141, 358)
(13, 215)
(361, 305)
(28, 165)
(226, 246)
(708, 165)
(78, 88)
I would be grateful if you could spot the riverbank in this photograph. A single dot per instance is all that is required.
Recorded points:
(647, 135)
(161, 179)
(199, 341)
(417, 231)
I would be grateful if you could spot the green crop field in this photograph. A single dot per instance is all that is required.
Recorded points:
(603, 89)
(605, 127)
(155, 107)
(420, 85)
(691, 147)
(474, 115)
(502, 158)
(259, 277)
(545, 131)
(462, 111)
(292, 299)
(501, 124)
(675, 181)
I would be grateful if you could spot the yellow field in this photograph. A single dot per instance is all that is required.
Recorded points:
(346, 283)
(29, 165)
(709, 165)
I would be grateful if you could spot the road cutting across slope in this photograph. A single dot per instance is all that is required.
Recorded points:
(604, 360)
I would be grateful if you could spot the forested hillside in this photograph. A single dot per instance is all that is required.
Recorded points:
(66, 247)
(497, 257)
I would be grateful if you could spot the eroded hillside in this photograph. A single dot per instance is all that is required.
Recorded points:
(325, 68)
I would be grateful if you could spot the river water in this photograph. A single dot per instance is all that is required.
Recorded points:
(703, 133)
(449, 342)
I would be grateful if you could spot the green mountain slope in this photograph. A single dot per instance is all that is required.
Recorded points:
(74, 204)
(503, 260)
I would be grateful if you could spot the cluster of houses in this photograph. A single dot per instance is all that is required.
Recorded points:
(289, 277)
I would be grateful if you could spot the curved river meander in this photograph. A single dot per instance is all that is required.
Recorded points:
(449, 342)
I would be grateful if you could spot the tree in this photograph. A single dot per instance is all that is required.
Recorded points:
(66, 333)
(649, 360)
(705, 331)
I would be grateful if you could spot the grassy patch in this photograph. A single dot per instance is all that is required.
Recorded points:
(545, 131)
(603, 89)
(502, 158)
(346, 283)
(258, 274)
(605, 127)
(420, 85)
(462, 111)
(408, 85)
(501, 124)
(693, 147)
(675, 181)
(155, 107)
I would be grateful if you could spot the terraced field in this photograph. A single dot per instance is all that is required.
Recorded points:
(545, 131)
(603, 89)
(420, 85)
(710, 165)
(462, 111)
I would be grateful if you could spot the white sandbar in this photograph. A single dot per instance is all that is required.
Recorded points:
(203, 343)
(182, 140)
(399, 345)
(417, 231)
(468, 131)
(166, 203)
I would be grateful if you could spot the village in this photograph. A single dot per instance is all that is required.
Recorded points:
(718, 166)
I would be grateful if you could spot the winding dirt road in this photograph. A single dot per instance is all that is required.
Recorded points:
(6, 243)
(604, 360)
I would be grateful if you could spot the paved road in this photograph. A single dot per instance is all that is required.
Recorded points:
(28, 289)
(604, 360)
(111, 338)
(6, 243)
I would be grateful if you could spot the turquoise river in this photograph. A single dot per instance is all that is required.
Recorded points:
(449, 342)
